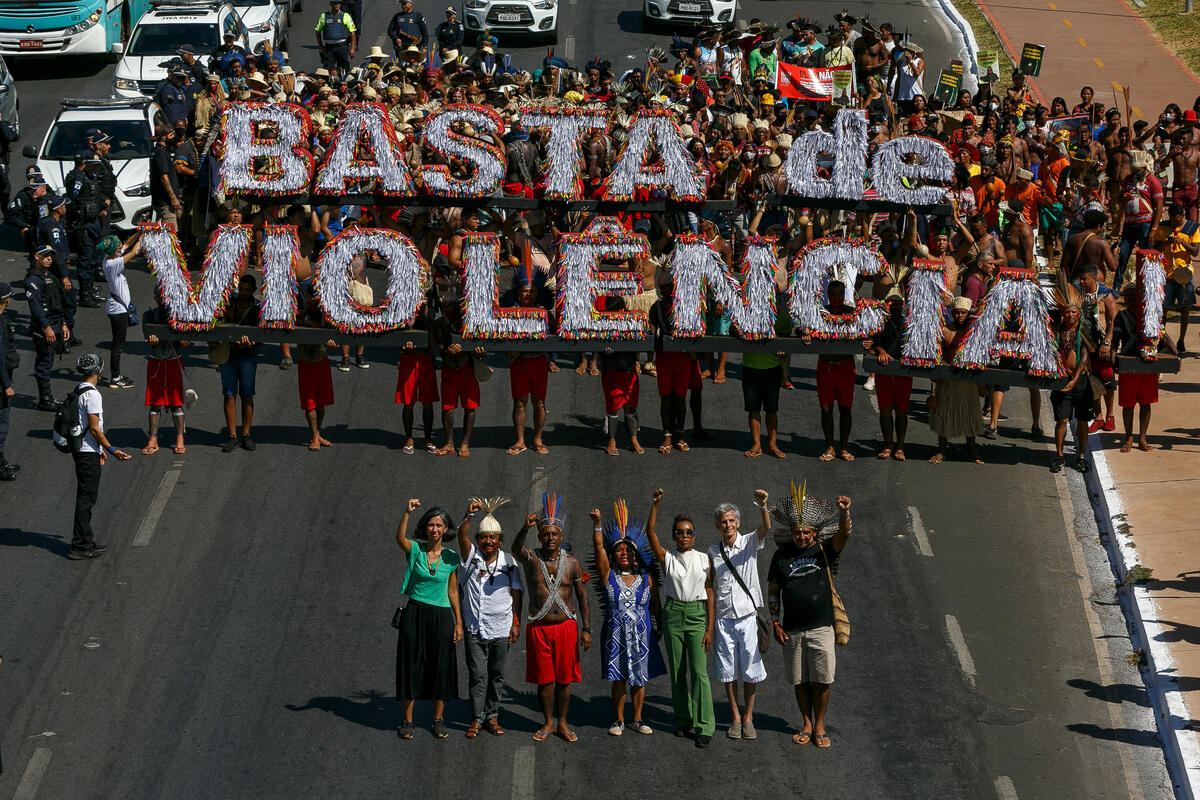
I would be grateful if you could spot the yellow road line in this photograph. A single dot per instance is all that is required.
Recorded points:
(1052, 6)
(1067, 22)
(1099, 63)
(1082, 43)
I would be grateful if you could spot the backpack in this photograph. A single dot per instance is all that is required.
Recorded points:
(69, 429)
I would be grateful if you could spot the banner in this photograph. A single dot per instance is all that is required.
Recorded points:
(989, 65)
(806, 83)
(947, 87)
(1031, 59)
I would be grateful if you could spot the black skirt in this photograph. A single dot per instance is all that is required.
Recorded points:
(426, 659)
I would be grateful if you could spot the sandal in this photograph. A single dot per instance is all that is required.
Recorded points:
(179, 450)
(492, 726)
(802, 737)
(541, 449)
(681, 446)
(822, 737)
(408, 449)
(149, 451)
(567, 736)
(541, 736)
(473, 729)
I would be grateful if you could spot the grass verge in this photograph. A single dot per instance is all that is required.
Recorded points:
(985, 37)
(1179, 32)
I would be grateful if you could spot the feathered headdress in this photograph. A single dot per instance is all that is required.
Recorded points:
(489, 524)
(552, 510)
(623, 529)
(1065, 296)
(799, 510)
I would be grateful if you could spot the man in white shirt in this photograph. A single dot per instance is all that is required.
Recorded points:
(490, 591)
(737, 596)
(116, 307)
(93, 451)
(687, 625)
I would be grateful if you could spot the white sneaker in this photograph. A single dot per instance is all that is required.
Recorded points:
(870, 384)
(616, 729)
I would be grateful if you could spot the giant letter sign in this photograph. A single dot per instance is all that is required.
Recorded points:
(579, 285)
(483, 318)
(403, 299)
(987, 338)
(844, 259)
(675, 170)
(564, 157)
(696, 265)
(275, 132)
(192, 308)
(486, 158)
(364, 128)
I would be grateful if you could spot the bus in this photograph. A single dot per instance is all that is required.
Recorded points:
(66, 27)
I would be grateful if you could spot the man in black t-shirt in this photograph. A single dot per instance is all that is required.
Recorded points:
(164, 181)
(800, 577)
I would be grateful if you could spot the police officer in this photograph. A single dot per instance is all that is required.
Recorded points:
(100, 143)
(197, 74)
(171, 96)
(337, 38)
(450, 34)
(228, 47)
(47, 322)
(407, 28)
(10, 359)
(52, 231)
(8, 135)
(29, 207)
(87, 202)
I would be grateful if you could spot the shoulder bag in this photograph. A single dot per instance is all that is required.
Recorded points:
(841, 622)
(764, 627)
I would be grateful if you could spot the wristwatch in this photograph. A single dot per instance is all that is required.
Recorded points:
(587, 630)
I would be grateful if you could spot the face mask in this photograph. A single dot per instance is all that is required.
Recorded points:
(1169, 117)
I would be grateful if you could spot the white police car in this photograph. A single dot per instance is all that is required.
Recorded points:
(159, 34)
(686, 13)
(528, 17)
(265, 21)
(130, 124)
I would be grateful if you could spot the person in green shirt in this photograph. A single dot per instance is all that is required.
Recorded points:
(431, 623)
(764, 58)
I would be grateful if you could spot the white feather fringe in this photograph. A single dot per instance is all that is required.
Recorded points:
(403, 297)
(889, 170)
(190, 307)
(487, 158)
(341, 163)
(696, 266)
(482, 316)
(564, 155)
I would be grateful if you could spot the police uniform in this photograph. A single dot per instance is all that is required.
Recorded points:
(46, 310)
(8, 135)
(87, 201)
(10, 360)
(106, 177)
(335, 33)
(53, 232)
(26, 211)
(450, 35)
(172, 99)
(411, 24)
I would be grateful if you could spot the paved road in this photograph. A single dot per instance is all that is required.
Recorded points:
(242, 649)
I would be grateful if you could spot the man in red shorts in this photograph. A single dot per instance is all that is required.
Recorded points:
(892, 391)
(459, 386)
(835, 383)
(528, 373)
(315, 376)
(1133, 388)
(558, 605)
(619, 380)
(164, 381)
(416, 382)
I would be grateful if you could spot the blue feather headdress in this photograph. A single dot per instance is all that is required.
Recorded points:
(552, 510)
(623, 529)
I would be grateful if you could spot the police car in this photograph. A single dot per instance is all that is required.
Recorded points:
(686, 13)
(159, 34)
(130, 124)
(530, 17)
(265, 21)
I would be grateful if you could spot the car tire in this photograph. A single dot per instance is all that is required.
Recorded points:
(648, 24)
(552, 37)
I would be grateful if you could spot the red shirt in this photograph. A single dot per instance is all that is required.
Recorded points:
(1140, 196)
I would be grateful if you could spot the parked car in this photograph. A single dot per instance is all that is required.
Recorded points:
(265, 21)
(506, 17)
(10, 106)
(686, 13)
(130, 123)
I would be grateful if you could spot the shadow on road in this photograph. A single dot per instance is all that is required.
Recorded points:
(1122, 692)
(51, 543)
(370, 708)
(1124, 735)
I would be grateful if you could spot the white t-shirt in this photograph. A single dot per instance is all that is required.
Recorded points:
(730, 601)
(684, 575)
(114, 273)
(486, 593)
(90, 402)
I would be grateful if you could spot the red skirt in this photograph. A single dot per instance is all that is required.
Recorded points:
(316, 384)
(417, 380)
(620, 389)
(164, 382)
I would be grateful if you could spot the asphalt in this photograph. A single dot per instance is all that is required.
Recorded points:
(244, 649)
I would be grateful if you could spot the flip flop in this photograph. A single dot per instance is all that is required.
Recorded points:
(898, 455)
(822, 737)
(314, 446)
(149, 451)
(179, 451)
(569, 736)
(431, 448)
(825, 457)
(512, 451)
(541, 449)
(541, 736)
(846, 456)
(682, 446)
(408, 450)
(802, 737)
(665, 449)
(752, 454)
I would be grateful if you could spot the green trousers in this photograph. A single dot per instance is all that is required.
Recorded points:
(684, 624)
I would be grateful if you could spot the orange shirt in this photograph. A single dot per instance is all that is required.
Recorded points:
(988, 198)
(1054, 172)
(1031, 196)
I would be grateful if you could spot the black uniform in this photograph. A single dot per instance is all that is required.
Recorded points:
(106, 176)
(26, 212)
(10, 359)
(450, 35)
(410, 25)
(46, 309)
(8, 135)
(87, 201)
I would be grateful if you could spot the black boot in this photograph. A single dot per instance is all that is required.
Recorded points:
(87, 294)
(8, 465)
(47, 401)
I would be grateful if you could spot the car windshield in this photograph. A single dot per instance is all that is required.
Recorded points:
(253, 3)
(130, 138)
(165, 40)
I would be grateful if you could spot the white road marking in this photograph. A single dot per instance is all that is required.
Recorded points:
(960, 648)
(936, 13)
(919, 534)
(569, 48)
(522, 777)
(31, 778)
(1107, 679)
(1005, 788)
(540, 480)
(150, 522)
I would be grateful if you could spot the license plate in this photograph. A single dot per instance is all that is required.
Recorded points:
(509, 17)
(32, 44)
(692, 7)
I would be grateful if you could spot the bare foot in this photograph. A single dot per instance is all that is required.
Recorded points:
(845, 455)
(754, 452)
(582, 368)
(937, 458)
(1145, 446)
(828, 455)
(519, 447)
(1127, 445)
(636, 448)
(884, 454)
(775, 451)
(705, 374)
(612, 447)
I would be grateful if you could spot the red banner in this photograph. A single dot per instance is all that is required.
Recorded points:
(806, 83)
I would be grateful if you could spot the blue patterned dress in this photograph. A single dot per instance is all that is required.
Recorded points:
(630, 650)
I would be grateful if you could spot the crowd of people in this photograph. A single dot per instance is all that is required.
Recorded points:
(699, 604)
(1078, 186)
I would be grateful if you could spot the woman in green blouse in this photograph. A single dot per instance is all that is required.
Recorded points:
(431, 625)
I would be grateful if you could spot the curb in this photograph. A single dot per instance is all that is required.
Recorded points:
(1180, 743)
(968, 35)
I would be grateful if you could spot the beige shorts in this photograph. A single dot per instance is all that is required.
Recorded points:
(809, 656)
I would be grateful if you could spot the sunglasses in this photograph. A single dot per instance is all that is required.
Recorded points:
(683, 532)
